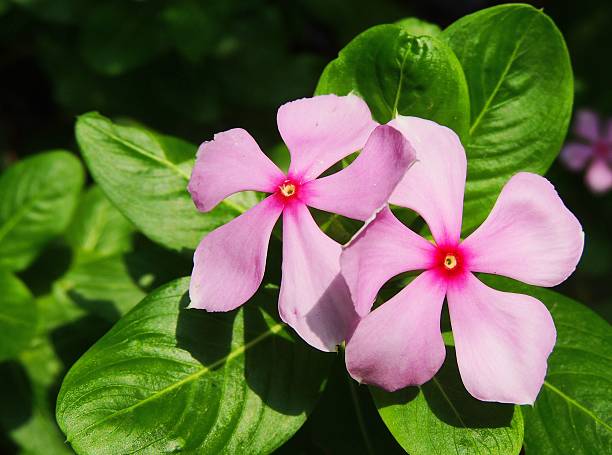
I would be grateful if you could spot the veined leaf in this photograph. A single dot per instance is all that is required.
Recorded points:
(168, 379)
(37, 198)
(521, 89)
(146, 175)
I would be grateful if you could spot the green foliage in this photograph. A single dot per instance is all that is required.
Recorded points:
(397, 73)
(98, 229)
(18, 316)
(521, 89)
(166, 378)
(37, 198)
(573, 411)
(146, 175)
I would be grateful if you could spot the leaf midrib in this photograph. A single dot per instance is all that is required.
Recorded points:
(140, 150)
(189, 378)
(456, 412)
(578, 405)
(12, 221)
(169, 164)
(497, 87)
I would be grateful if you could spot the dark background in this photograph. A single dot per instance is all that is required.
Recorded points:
(195, 67)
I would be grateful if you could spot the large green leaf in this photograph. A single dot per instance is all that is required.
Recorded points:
(169, 379)
(146, 175)
(442, 417)
(573, 413)
(397, 73)
(37, 198)
(520, 82)
(18, 316)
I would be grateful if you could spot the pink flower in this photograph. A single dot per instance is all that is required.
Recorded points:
(229, 263)
(502, 340)
(596, 153)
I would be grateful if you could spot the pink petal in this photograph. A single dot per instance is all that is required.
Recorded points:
(599, 176)
(322, 130)
(433, 187)
(383, 249)
(529, 235)
(230, 163)
(575, 155)
(314, 298)
(229, 263)
(399, 344)
(608, 135)
(586, 125)
(502, 341)
(366, 184)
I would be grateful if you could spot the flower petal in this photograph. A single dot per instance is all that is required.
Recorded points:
(383, 249)
(586, 125)
(314, 298)
(575, 155)
(322, 130)
(502, 341)
(366, 184)
(230, 163)
(529, 235)
(434, 185)
(229, 263)
(399, 343)
(599, 176)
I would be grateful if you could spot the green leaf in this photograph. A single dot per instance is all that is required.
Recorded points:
(397, 73)
(37, 198)
(98, 229)
(418, 27)
(170, 379)
(442, 417)
(573, 411)
(18, 316)
(102, 286)
(520, 82)
(145, 175)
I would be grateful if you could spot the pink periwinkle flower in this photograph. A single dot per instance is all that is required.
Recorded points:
(502, 339)
(595, 153)
(230, 261)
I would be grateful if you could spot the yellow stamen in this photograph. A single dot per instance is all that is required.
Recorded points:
(450, 262)
(287, 189)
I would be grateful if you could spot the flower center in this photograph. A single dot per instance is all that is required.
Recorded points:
(602, 149)
(450, 262)
(287, 189)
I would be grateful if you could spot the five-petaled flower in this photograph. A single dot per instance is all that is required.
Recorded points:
(229, 263)
(502, 340)
(595, 154)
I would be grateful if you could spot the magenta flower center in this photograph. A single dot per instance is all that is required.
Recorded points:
(602, 150)
(449, 261)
